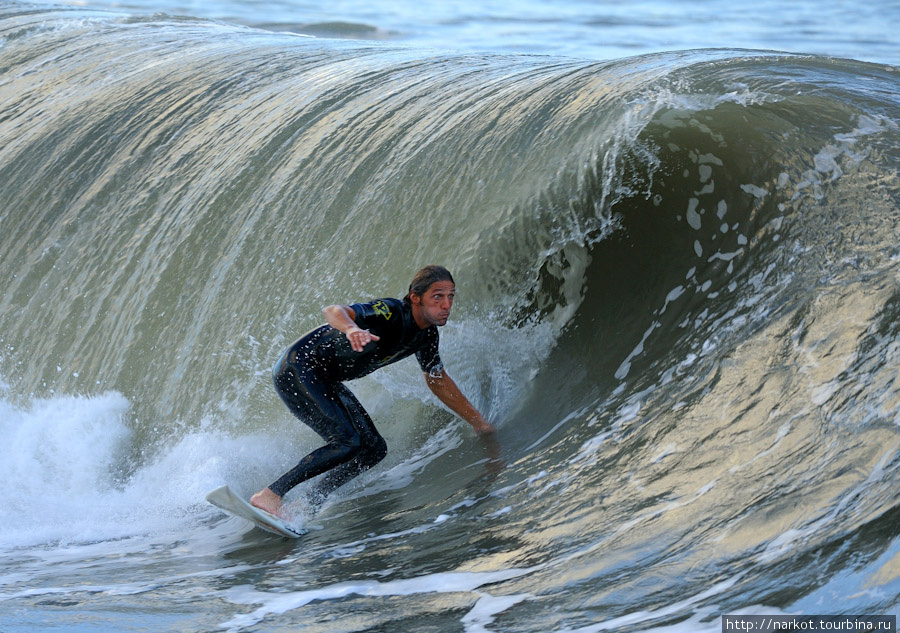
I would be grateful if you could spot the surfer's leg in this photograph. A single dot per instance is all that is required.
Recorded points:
(373, 450)
(320, 404)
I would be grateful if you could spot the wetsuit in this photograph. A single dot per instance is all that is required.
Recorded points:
(308, 378)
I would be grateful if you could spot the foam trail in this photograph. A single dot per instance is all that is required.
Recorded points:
(279, 603)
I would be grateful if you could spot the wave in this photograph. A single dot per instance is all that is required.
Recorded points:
(677, 279)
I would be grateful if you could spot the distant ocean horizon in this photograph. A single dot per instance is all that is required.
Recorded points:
(589, 29)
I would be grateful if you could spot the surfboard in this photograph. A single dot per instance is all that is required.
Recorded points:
(226, 499)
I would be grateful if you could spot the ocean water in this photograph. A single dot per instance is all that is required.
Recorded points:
(673, 228)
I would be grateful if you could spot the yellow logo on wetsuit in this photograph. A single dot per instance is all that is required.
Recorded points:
(381, 308)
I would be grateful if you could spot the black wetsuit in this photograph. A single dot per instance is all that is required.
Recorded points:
(308, 378)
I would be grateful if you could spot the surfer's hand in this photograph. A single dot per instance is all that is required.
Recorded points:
(359, 338)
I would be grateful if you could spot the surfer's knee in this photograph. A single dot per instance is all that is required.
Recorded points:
(349, 444)
(369, 451)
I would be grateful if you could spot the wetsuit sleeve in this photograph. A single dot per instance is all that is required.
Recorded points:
(376, 315)
(428, 356)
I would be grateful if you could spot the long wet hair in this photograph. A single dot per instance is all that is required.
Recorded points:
(425, 277)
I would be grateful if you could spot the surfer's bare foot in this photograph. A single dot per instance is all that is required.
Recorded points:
(267, 500)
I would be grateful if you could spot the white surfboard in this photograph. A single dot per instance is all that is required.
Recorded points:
(226, 499)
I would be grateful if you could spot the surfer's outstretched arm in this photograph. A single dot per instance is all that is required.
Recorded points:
(341, 318)
(445, 389)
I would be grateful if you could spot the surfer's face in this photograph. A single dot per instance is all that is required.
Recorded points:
(433, 306)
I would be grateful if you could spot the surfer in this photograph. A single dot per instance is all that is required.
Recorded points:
(357, 340)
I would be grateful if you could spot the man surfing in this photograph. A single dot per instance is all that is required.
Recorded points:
(357, 340)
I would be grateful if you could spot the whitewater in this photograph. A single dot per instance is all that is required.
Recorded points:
(678, 299)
